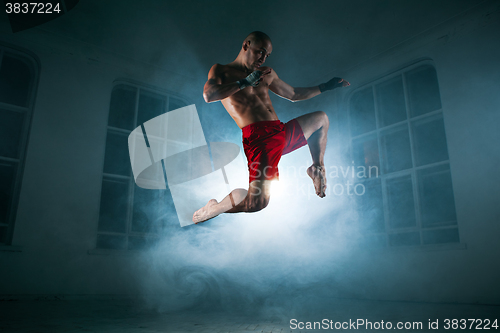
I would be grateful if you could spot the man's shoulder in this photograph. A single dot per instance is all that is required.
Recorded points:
(228, 67)
(265, 68)
(272, 74)
(220, 69)
(218, 66)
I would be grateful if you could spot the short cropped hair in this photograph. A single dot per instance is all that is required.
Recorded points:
(258, 36)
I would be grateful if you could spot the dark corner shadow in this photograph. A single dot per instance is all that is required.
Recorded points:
(24, 15)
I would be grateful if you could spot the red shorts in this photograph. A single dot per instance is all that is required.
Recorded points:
(265, 142)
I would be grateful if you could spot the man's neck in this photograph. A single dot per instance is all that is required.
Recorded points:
(238, 64)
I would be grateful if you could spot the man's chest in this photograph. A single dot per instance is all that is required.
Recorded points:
(231, 75)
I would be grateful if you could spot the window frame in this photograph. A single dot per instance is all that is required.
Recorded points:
(138, 86)
(413, 171)
(34, 65)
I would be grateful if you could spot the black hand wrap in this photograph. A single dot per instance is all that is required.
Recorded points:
(250, 80)
(332, 84)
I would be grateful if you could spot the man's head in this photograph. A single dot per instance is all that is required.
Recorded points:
(256, 48)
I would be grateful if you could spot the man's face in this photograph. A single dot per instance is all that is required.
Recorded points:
(257, 53)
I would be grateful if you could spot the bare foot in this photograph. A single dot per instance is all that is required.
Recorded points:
(205, 213)
(317, 174)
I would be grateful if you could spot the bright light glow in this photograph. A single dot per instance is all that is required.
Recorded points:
(276, 188)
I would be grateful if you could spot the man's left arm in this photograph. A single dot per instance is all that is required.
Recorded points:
(283, 89)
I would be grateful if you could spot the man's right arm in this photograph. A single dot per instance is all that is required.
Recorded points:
(214, 90)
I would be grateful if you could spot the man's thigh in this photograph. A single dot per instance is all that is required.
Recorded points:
(311, 122)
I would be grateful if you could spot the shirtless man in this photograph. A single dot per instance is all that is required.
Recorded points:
(243, 88)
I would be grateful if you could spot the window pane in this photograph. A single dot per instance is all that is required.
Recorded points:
(114, 203)
(111, 242)
(169, 214)
(149, 211)
(423, 90)
(11, 129)
(430, 141)
(436, 196)
(7, 177)
(440, 236)
(400, 202)
(117, 159)
(122, 107)
(391, 101)
(4, 231)
(175, 103)
(362, 112)
(150, 106)
(140, 242)
(370, 207)
(374, 240)
(365, 154)
(402, 239)
(396, 154)
(15, 81)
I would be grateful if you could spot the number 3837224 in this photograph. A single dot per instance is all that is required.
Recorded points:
(32, 8)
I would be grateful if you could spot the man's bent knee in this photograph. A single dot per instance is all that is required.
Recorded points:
(323, 117)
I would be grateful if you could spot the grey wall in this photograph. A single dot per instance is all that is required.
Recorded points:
(298, 249)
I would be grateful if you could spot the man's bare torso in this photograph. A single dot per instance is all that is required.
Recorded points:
(251, 104)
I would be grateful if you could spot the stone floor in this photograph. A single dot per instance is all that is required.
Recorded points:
(103, 316)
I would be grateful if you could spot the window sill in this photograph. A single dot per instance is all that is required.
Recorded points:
(423, 248)
(10, 248)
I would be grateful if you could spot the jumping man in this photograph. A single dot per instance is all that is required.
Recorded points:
(243, 88)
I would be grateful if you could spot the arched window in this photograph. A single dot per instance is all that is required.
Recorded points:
(18, 78)
(397, 130)
(131, 217)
